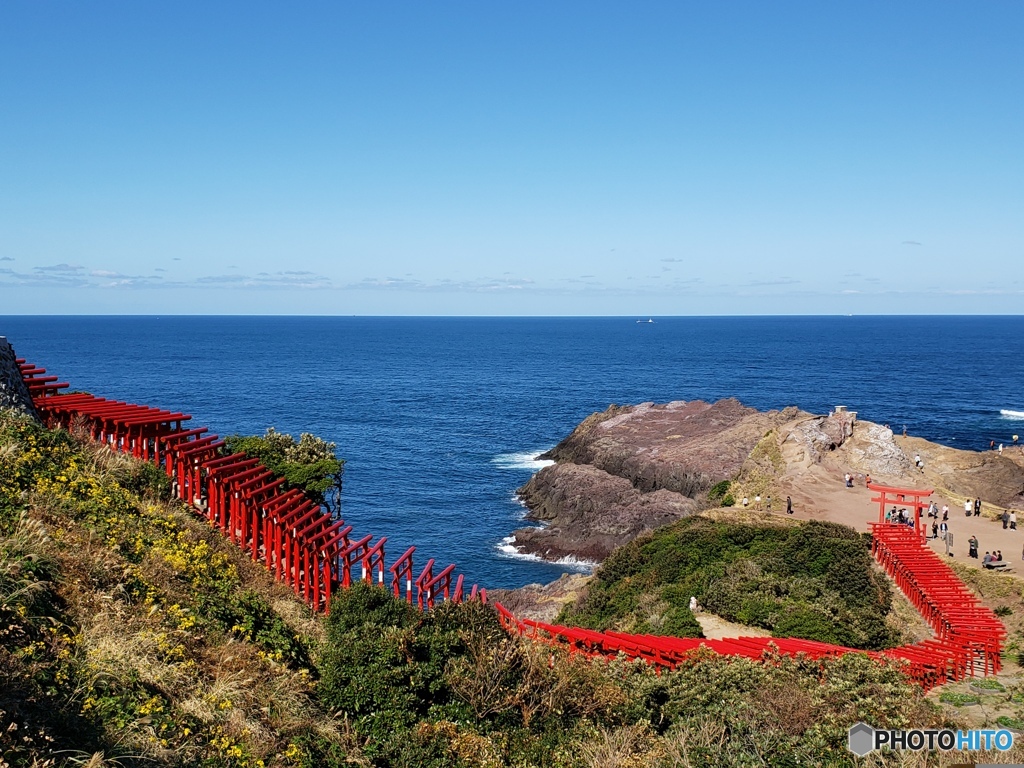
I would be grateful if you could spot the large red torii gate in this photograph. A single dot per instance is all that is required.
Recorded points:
(902, 497)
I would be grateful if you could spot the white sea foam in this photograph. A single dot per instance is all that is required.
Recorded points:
(523, 460)
(1012, 415)
(508, 548)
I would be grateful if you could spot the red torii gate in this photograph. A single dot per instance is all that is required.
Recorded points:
(902, 497)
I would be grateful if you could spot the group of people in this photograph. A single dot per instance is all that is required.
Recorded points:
(991, 558)
(900, 517)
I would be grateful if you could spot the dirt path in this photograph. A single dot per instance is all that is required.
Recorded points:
(819, 493)
(717, 628)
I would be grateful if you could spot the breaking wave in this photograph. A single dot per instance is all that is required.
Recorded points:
(508, 548)
(1013, 415)
(523, 460)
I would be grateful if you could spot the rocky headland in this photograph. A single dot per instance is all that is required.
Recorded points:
(631, 469)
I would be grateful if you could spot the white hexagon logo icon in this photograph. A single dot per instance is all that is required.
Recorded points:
(861, 739)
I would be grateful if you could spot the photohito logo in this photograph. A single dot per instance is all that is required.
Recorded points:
(862, 739)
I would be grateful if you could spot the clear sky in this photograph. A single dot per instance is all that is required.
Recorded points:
(511, 158)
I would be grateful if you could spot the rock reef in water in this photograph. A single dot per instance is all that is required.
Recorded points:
(631, 469)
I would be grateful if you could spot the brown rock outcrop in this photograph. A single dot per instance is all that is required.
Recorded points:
(634, 468)
(591, 512)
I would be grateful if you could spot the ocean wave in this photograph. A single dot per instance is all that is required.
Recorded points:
(523, 460)
(1012, 415)
(508, 548)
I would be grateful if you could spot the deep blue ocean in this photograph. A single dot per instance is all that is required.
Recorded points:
(439, 418)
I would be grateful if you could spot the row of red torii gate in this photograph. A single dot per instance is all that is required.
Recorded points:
(302, 545)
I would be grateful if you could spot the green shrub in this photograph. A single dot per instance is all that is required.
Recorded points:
(719, 490)
(309, 464)
(728, 500)
(813, 581)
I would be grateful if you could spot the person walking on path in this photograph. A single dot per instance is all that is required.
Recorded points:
(972, 547)
(789, 506)
(1006, 519)
(1013, 521)
(977, 507)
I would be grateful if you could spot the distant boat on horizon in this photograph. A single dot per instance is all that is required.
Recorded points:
(648, 320)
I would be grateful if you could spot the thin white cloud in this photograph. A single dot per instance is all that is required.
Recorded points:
(66, 269)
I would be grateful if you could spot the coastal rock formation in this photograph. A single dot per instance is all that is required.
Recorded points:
(542, 602)
(590, 512)
(13, 392)
(634, 468)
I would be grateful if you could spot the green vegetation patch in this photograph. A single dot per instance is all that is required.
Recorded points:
(309, 463)
(813, 581)
(959, 699)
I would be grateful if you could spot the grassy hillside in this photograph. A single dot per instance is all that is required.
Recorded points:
(813, 580)
(131, 634)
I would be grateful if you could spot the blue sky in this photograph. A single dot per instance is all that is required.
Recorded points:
(511, 158)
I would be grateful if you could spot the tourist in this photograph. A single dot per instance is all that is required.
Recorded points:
(986, 561)
(1006, 519)
(917, 461)
(967, 507)
(999, 555)
(943, 530)
(848, 480)
(693, 605)
(1000, 449)
(935, 530)
(745, 502)
(977, 507)
(972, 546)
(1013, 521)
(789, 506)
(945, 511)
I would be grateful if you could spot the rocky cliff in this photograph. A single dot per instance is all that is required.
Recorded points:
(631, 469)
(13, 392)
